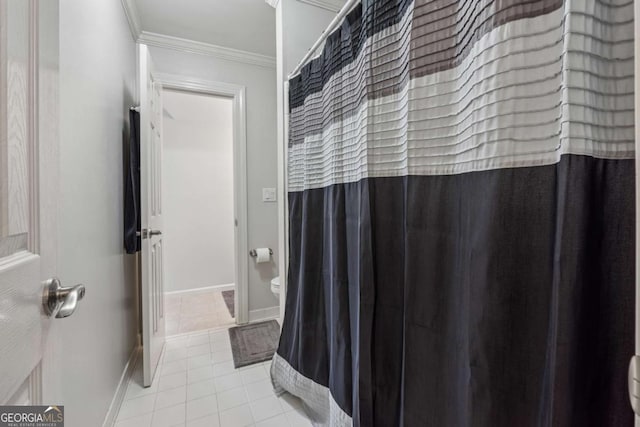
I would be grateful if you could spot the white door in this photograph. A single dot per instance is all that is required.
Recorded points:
(151, 211)
(28, 203)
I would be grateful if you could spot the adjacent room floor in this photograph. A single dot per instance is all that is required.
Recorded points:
(196, 311)
(197, 385)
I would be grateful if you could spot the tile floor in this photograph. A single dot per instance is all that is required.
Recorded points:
(195, 312)
(197, 385)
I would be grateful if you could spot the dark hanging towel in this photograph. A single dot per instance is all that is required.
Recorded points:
(132, 187)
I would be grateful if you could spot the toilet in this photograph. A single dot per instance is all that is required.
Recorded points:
(275, 286)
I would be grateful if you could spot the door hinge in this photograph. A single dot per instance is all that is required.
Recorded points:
(147, 233)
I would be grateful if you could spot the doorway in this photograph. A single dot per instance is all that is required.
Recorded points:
(198, 186)
(221, 106)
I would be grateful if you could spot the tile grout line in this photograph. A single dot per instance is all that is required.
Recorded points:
(246, 381)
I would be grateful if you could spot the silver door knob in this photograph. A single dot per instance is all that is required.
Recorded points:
(59, 301)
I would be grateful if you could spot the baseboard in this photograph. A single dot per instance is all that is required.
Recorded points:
(264, 314)
(121, 390)
(219, 288)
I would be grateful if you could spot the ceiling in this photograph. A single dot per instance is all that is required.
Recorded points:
(248, 25)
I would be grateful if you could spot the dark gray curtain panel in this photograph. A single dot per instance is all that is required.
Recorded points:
(461, 201)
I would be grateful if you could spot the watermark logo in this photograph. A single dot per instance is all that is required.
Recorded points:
(32, 416)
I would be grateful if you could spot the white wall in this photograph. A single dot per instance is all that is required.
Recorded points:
(302, 24)
(197, 191)
(97, 86)
(261, 151)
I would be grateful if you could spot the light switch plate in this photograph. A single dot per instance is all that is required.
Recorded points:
(268, 194)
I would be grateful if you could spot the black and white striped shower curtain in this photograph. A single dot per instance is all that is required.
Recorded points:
(461, 199)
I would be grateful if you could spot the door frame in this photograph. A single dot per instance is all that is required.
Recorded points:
(238, 95)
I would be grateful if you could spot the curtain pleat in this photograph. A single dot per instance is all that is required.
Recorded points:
(462, 217)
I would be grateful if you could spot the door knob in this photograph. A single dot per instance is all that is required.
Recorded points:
(59, 301)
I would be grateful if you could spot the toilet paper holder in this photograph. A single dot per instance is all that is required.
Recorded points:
(254, 254)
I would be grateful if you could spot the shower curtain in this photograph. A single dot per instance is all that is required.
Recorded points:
(461, 201)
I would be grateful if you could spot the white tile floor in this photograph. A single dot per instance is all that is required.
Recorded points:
(197, 385)
(196, 311)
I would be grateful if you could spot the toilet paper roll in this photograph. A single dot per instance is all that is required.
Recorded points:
(263, 255)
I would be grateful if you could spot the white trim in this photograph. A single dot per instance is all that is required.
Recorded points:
(268, 313)
(191, 46)
(272, 3)
(201, 48)
(133, 18)
(332, 5)
(214, 288)
(121, 390)
(238, 94)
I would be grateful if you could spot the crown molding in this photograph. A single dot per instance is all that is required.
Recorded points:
(200, 48)
(190, 46)
(332, 5)
(133, 18)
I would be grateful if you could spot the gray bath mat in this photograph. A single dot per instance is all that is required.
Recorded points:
(229, 300)
(254, 343)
